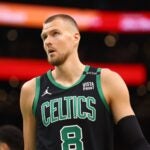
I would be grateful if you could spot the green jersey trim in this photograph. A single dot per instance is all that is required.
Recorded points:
(37, 93)
(99, 87)
(50, 77)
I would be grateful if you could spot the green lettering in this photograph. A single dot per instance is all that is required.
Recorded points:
(74, 107)
(80, 100)
(53, 109)
(60, 110)
(68, 106)
(91, 116)
(45, 120)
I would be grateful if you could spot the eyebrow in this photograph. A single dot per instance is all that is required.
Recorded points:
(43, 33)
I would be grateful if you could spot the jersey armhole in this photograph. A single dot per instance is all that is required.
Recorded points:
(37, 92)
(99, 88)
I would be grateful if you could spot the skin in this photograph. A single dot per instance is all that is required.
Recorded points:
(4, 146)
(68, 69)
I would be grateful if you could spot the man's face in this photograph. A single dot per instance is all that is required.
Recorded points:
(58, 40)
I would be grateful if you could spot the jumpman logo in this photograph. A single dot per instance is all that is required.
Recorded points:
(46, 92)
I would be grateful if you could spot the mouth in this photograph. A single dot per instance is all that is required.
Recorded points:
(50, 51)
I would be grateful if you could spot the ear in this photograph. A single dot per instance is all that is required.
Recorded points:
(4, 146)
(77, 36)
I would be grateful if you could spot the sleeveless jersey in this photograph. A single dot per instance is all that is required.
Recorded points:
(75, 117)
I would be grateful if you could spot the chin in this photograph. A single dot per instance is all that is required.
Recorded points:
(54, 62)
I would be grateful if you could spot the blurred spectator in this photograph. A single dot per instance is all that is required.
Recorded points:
(11, 138)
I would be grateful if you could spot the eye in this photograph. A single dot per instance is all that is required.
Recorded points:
(44, 37)
(55, 33)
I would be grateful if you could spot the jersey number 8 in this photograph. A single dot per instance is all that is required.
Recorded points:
(71, 137)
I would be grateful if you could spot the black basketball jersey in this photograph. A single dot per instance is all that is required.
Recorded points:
(75, 117)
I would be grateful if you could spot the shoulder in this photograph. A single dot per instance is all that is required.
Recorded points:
(108, 73)
(111, 77)
(27, 94)
(113, 84)
(29, 86)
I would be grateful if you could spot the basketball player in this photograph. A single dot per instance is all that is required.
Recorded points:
(11, 138)
(75, 106)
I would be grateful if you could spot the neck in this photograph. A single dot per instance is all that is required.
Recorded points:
(68, 73)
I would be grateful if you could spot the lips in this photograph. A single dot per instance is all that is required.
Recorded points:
(51, 51)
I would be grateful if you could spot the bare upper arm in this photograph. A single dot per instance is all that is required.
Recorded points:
(116, 94)
(27, 96)
(29, 123)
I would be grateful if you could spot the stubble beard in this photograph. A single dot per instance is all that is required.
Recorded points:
(57, 61)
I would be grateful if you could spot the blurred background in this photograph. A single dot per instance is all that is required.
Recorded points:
(115, 34)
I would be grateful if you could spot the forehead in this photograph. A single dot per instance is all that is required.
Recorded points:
(55, 24)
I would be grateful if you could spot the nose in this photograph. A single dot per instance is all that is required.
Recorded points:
(47, 42)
